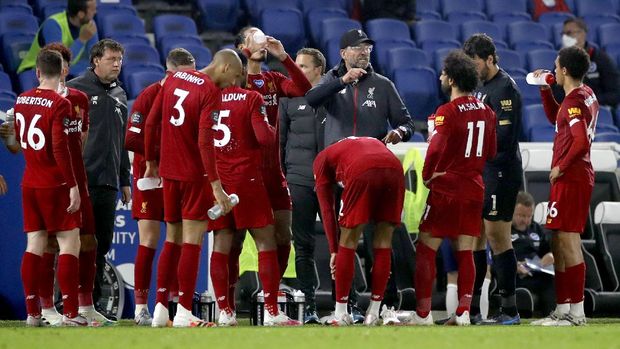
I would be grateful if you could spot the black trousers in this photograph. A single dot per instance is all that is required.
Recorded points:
(305, 209)
(104, 209)
(543, 286)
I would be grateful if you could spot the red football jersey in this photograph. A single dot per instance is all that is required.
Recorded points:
(41, 120)
(241, 130)
(78, 123)
(185, 107)
(273, 86)
(340, 163)
(575, 124)
(464, 139)
(134, 137)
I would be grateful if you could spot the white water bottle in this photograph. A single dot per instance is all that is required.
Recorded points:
(215, 212)
(149, 183)
(259, 37)
(10, 122)
(542, 80)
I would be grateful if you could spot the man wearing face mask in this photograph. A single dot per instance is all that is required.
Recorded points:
(603, 75)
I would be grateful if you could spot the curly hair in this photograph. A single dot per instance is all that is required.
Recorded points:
(60, 48)
(461, 68)
(576, 61)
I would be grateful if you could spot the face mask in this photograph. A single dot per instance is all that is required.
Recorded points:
(568, 41)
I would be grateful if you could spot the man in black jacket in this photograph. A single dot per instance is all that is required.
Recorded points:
(106, 161)
(301, 138)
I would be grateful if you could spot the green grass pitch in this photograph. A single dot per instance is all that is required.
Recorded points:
(600, 333)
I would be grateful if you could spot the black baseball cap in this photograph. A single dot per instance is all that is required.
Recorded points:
(354, 37)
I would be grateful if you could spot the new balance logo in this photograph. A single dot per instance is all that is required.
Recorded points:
(30, 296)
(162, 289)
(65, 297)
(302, 107)
(221, 299)
(344, 299)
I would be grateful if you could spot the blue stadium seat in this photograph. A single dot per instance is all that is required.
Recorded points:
(491, 29)
(417, 137)
(380, 53)
(613, 50)
(438, 58)
(201, 54)
(140, 80)
(541, 59)
(113, 10)
(427, 9)
(529, 94)
(12, 2)
(452, 6)
(105, 2)
(549, 19)
(509, 59)
(261, 5)
(169, 42)
(332, 52)
(121, 24)
(595, 21)
(14, 49)
(309, 5)
(605, 128)
(52, 9)
(16, 8)
(607, 137)
(6, 103)
(609, 34)
(458, 18)
(315, 17)
(436, 31)
(285, 24)
(421, 98)
(516, 72)
(494, 7)
(8, 94)
(127, 39)
(5, 82)
(333, 28)
(39, 5)
(18, 23)
(604, 117)
(431, 46)
(505, 19)
(27, 80)
(387, 28)
(140, 53)
(592, 7)
(405, 57)
(533, 116)
(526, 32)
(531, 46)
(429, 16)
(219, 14)
(173, 25)
(542, 134)
(131, 69)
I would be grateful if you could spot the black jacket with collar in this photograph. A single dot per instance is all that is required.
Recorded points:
(359, 109)
(106, 160)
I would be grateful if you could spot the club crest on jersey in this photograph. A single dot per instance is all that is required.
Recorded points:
(136, 118)
(371, 93)
(370, 103)
(271, 86)
(94, 100)
(259, 83)
(302, 107)
(144, 208)
(481, 96)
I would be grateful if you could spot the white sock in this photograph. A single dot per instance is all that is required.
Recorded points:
(83, 309)
(341, 309)
(563, 308)
(576, 309)
(139, 308)
(452, 298)
(182, 310)
(484, 298)
(374, 308)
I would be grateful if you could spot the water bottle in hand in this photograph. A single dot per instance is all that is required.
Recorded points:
(259, 37)
(10, 123)
(149, 183)
(215, 212)
(543, 79)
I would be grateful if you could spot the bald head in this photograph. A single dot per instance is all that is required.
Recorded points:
(225, 68)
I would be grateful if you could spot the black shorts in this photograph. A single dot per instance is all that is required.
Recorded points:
(501, 186)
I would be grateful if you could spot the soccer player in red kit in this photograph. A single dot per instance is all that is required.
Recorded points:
(273, 86)
(463, 140)
(148, 206)
(78, 132)
(374, 190)
(50, 194)
(185, 110)
(572, 180)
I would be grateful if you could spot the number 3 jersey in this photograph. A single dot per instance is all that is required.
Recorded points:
(241, 130)
(464, 139)
(185, 107)
(41, 121)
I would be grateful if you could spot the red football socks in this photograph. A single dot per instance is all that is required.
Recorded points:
(188, 273)
(31, 267)
(467, 276)
(166, 268)
(88, 269)
(345, 269)
(269, 275)
(46, 280)
(562, 293)
(142, 273)
(424, 277)
(219, 278)
(68, 280)
(380, 272)
(574, 282)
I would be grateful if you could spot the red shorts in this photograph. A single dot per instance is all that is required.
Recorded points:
(569, 206)
(277, 189)
(46, 209)
(376, 195)
(88, 216)
(252, 211)
(187, 200)
(449, 217)
(148, 204)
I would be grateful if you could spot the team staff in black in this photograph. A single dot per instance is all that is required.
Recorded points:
(106, 160)
(502, 176)
(301, 139)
